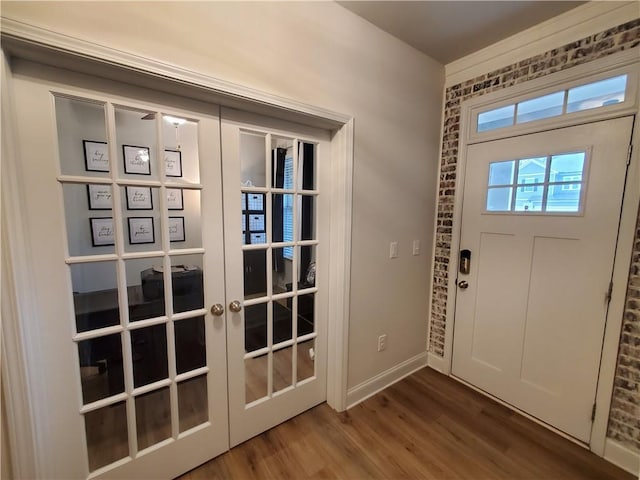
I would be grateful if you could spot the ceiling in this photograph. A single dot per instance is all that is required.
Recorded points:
(449, 30)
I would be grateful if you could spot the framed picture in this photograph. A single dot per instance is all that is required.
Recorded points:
(99, 197)
(96, 156)
(141, 230)
(173, 163)
(102, 231)
(136, 160)
(174, 199)
(139, 198)
(176, 229)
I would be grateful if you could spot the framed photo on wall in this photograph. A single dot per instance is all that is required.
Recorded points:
(176, 229)
(96, 156)
(99, 197)
(173, 163)
(175, 200)
(139, 198)
(141, 230)
(102, 231)
(137, 160)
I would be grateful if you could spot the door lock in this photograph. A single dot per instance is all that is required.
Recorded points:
(463, 284)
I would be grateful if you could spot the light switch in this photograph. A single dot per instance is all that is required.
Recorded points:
(416, 247)
(393, 250)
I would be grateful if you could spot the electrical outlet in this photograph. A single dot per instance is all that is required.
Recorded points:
(416, 247)
(393, 250)
(382, 342)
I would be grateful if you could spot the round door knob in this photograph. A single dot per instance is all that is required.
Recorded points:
(217, 309)
(235, 306)
(463, 284)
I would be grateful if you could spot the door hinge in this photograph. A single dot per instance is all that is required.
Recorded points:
(607, 296)
(593, 412)
(629, 156)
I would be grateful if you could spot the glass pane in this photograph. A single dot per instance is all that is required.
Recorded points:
(282, 320)
(191, 349)
(541, 107)
(255, 371)
(282, 163)
(187, 282)
(136, 137)
(252, 159)
(529, 198)
(149, 353)
(497, 118)
(180, 139)
(107, 437)
(499, 199)
(532, 170)
(597, 94)
(282, 218)
(564, 197)
(82, 138)
(101, 371)
(153, 417)
(88, 213)
(95, 295)
(501, 173)
(185, 226)
(145, 288)
(306, 360)
(307, 166)
(193, 402)
(307, 217)
(255, 273)
(142, 231)
(567, 167)
(255, 327)
(282, 274)
(282, 368)
(307, 267)
(306, 314)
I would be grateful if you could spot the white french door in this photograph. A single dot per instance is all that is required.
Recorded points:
(539, 226)
(170, 322)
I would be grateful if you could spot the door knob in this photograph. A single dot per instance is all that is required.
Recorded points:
(217, 309)
(235, 306)
(463, 284)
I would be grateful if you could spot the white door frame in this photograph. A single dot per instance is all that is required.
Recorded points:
(19, 342)
(624, 60)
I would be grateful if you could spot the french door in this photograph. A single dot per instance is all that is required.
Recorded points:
(158, 310)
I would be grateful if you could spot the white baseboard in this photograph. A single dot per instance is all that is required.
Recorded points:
(438, 363)
(385, 379)
(622, 456)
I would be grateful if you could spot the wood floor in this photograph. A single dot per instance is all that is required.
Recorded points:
(426, 426)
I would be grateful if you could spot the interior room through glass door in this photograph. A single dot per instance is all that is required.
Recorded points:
(276, 231)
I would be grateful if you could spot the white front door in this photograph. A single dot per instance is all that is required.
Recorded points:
(276, 236)
(539, 225)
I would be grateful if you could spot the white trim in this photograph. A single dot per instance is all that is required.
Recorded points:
(438, 363)
(622, 456)
(573, 25)
(383, 380)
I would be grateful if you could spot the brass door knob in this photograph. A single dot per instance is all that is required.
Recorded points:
(235, 306)
(217, 309)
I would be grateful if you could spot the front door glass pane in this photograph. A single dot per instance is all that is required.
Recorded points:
(153, 417)
(107, 435)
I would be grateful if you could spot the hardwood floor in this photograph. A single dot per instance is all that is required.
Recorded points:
(426, 426)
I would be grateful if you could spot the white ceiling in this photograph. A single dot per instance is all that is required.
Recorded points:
(449, 30)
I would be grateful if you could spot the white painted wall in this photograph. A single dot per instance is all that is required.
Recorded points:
(321, 54)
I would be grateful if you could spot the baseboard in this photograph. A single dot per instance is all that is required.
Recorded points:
(438, 363)
(385, 379)
(622, 456)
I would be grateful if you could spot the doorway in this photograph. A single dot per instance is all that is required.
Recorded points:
(539, 231)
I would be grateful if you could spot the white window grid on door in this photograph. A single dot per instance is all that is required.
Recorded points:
(120, 257)
(296, 191)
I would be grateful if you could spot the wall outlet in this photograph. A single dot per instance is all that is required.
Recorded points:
(382, 342)
(416, 247)
(393, 250)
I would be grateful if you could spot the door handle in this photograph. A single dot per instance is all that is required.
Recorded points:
(463, 284)
(217, 309)
(235, 306)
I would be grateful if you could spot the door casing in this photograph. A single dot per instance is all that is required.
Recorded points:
(47, 47)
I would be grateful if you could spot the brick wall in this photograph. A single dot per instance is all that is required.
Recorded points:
(625, 418)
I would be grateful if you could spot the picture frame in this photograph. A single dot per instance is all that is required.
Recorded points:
(139, 198)
(96, 156)
(172, 163)
(102, 233)
(176, 229)
(141, 230)
(175, 200)
(99, 196)
(137, 160)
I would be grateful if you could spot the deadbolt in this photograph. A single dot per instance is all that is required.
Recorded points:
(217, 309)
(235, 306)
(463, 284)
